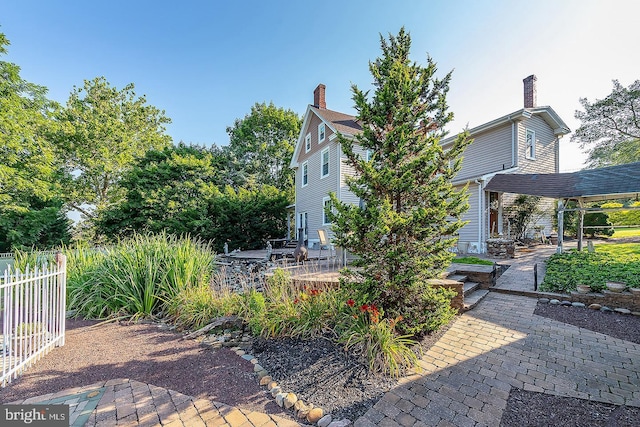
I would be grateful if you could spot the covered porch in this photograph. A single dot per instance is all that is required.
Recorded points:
(586, 186)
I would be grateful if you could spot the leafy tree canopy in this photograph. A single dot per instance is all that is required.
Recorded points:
(31, 213)
(181, 189)
(412, 212)
(105, 130)
(610, 127)
(262, 144)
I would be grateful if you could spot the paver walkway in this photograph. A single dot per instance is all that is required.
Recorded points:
(468, 374)
(123, 402)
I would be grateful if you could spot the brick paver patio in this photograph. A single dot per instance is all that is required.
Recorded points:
(468, 374)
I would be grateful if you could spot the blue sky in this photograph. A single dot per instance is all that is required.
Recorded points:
(207, 62)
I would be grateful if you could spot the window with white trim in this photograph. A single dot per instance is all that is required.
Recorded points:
(530, 144)
(326, 204)
(324, 162)
(368, 155)
(305, 174)
(321, 133)
(307, 143)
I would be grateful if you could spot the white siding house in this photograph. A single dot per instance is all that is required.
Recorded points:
(525, 141)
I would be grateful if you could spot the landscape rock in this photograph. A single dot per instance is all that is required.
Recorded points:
(566, 303)
(314, 415)
(257, 368)
(280, 399)
(271, 385)
(606, 309)
(554, 301)
(247, 356)
(622, 311)
(325, 421)
(543, 300)
(635, 313)
(262, 374)
(289, 400)
(595, 306)
(265, 380)
(275, 391)
(341, 423)
(577, 304)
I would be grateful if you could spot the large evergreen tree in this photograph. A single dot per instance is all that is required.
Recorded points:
(411, 212)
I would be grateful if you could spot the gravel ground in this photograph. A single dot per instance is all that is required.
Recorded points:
(526, 408)
(148, 353)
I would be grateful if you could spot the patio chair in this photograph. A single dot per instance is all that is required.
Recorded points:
(324, 241)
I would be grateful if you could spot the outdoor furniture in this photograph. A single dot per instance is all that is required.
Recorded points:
(324, 241)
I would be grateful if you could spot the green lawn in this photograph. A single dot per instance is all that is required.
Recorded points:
(626, 232)
(472, 260)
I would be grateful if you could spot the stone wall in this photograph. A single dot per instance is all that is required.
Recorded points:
(628, 300)
(458, 287)
(501, 248)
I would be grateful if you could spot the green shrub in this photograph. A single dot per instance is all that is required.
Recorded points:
(424, 308)
(31, 259)
(139, 276)
(619, 262)
(195, 306)
(377, 340)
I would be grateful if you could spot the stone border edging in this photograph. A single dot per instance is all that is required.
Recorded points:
(289, 400)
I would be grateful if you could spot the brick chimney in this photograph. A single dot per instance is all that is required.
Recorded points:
(318, 97)
(530, 92)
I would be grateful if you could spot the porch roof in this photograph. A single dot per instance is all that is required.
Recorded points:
(613, 182)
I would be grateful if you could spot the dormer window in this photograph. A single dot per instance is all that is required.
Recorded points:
(307, 143)
(530, 144)
(321, 133)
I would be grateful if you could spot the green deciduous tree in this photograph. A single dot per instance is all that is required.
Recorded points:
(263, 142)
(610, 127)
(30, 210)
(412, 212)
(182, 190)
(105, 130)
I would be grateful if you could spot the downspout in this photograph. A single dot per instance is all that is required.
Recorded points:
(480, 214)
(339, 157)
(514, 158)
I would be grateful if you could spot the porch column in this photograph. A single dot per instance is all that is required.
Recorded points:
(560, 225)
(581, 224)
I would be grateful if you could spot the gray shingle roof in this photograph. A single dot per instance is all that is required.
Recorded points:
(343, 123)
(601, 183)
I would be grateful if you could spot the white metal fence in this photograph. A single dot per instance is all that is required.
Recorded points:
(33, 315)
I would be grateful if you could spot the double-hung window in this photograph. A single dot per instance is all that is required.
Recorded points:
(530, 144)
(321, 133)
(307, 143)
(305, 174)
(326, 204)
(324, 163)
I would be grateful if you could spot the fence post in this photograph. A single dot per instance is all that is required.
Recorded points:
(61, 261)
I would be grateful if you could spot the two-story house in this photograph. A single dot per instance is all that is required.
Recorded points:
(524, 141)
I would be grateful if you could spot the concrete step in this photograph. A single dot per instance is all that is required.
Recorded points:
(474, 298)
(469, 287)
(457, 277)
